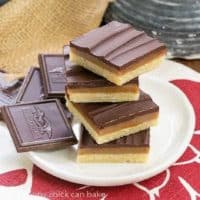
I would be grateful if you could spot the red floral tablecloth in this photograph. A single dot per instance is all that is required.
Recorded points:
(180, 181)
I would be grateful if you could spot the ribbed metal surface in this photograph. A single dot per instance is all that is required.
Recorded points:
(175, 22)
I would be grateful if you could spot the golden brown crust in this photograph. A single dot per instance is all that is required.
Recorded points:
(113, 158)
(104, 94)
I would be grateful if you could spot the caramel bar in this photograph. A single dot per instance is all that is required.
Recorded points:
(117, 52)
(84, 86)
(109, 121)
(132, 148)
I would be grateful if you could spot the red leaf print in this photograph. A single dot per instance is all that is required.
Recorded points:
(192, 91)
(180, 181)
(175, 188)
(189, 154)
(155, 181)
(53, 188)
(13, 178)
(196, 141)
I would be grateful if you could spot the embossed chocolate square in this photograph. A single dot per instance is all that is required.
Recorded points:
(38, 125)
(32, 89)
(53, 74)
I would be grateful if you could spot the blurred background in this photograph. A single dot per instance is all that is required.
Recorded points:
(30, 27)
(175, 22)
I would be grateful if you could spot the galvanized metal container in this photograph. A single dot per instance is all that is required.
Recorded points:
(175, 22)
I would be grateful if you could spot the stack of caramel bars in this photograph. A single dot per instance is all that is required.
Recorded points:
(96, 79)
(103, 92)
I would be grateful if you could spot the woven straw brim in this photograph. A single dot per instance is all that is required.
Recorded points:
(30, 27)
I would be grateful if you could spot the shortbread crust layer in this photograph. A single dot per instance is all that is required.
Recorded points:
(113, 158)
(104, 94)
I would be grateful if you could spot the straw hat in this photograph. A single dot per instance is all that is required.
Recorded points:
(37, 26)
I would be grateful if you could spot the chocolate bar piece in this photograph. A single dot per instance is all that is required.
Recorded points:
(38, 125)
(53, 75)
(32, 87)
(132, 148)
(117, 52)
(109, 121)
(9, 88)
(84, 86)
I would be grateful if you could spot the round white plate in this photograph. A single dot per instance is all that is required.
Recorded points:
(168, 142)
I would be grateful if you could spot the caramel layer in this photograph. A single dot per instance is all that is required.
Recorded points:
(112, 89)
(119, 71)
(117, 150)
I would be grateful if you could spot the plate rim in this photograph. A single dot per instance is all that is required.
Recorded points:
(127, 179)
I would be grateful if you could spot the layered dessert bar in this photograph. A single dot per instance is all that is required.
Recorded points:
(117, 52)
(109, 121)
(132, 148)
(84, 86)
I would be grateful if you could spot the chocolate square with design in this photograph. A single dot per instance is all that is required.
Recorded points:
(32, 87)
(53, 75)
(33, 125)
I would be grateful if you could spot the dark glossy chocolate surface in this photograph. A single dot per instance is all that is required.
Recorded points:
(38, 125)
(140, 139)
(117, 44)
(32, 87)
(108, 114)
(78, 77)
(53, 75)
